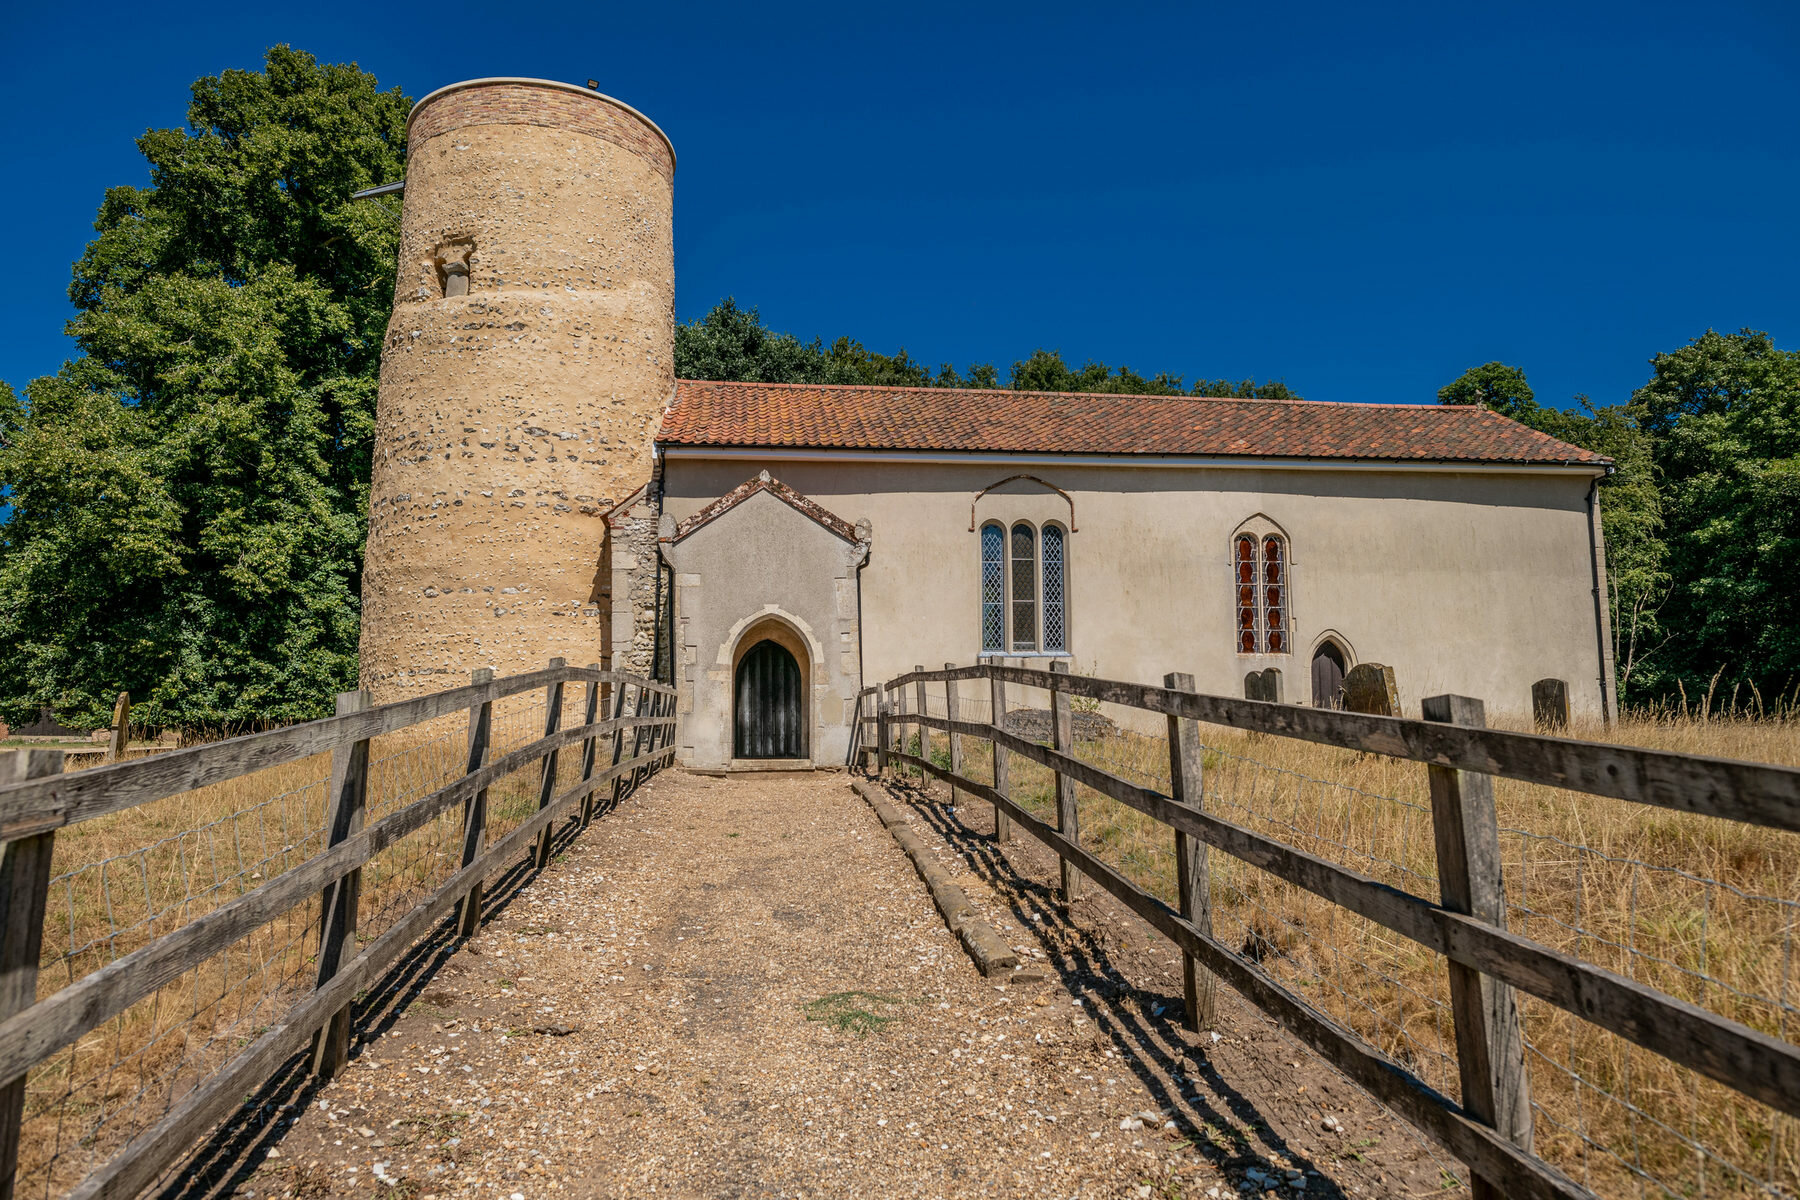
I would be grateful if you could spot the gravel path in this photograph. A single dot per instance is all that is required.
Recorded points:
(739, 987)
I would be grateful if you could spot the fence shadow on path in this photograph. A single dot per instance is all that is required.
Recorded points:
(228, 1160)
(1152, 1048)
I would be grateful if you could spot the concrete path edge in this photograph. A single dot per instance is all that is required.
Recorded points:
(990, 951)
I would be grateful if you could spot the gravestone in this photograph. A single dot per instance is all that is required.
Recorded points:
(46, 726)
(1370, 688)
(1550, 704)
(1263, 685)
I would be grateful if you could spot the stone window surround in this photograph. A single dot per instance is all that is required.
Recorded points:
(1260, 526)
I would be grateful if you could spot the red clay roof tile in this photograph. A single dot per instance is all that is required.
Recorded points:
(833, 417)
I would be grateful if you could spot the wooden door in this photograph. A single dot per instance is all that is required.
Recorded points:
(769, 721)
(1328, 676)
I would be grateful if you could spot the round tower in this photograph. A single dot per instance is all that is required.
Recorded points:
(527, 363)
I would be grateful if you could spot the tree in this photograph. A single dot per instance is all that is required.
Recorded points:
(731, 342)
(189, 497)
(1723, 416)
(1702, 512)
(1497, 386)
(1045, 371)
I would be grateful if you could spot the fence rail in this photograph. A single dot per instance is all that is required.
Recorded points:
(37, 800)
(1491, 1128)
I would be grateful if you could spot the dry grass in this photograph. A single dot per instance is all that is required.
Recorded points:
(1700, 908)
(122, 881)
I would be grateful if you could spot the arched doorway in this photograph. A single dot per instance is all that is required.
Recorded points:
(770, 704)
(1328, 670)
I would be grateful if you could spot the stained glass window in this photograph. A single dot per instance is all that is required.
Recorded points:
(1244, 566)
(993, 588)
(1055, 627)
(1274, 595)
(1024, 587)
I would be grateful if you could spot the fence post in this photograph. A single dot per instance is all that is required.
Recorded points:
(897, 736)
(619, 687)
(903, 708)
(882, 706)
(639, 708)
(866, 702)
(997, 698)
(346, 794)
(120, 741)
(24, 892)
(553, 706)
(659, 707)
(950, 686)
(924, 733)
(1490, 1051)
(1062, 721)
(481, 730)
(1192, 878)
(590, 744)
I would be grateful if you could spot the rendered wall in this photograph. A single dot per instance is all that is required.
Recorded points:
(511, 418)
(757, 564)
(1473, 583)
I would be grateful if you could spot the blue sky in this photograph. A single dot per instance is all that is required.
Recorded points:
(1361, 200)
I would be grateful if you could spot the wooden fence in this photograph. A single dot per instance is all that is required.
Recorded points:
(1491, 1129)
(37, 799)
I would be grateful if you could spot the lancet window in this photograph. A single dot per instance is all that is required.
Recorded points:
(1261, 586)
(993, 589)
(1055, 627)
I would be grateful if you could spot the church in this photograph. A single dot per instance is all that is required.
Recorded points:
(545, 487)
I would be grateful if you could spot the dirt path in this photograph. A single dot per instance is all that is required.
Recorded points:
(739, 987)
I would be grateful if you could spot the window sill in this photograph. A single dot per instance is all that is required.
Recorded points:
(1026, 654)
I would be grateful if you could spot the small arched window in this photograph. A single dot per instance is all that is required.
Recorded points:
(1261, 583)
(1056, 635)
(993, 589)
(1024, 587)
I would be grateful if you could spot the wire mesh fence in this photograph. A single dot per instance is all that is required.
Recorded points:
(1694, 906)
(122, 881)
(119, 883)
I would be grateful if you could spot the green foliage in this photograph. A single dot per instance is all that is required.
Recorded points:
(1497, 386)
(1723, 416)
(189, 498)
(732, 343)
(1045, 371)
(1702, 514)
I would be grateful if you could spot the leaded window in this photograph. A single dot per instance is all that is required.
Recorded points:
(1055, 626)
(993, 588)
(1274, 595)
(1024, 587)
(1244, 566)
(1260, 581)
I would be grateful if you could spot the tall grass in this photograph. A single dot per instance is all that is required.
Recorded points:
(121, 881)
(1700, 908)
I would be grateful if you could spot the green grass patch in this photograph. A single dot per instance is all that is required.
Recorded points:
(861, 1013)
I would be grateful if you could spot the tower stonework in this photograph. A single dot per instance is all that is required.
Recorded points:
(527, 364)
